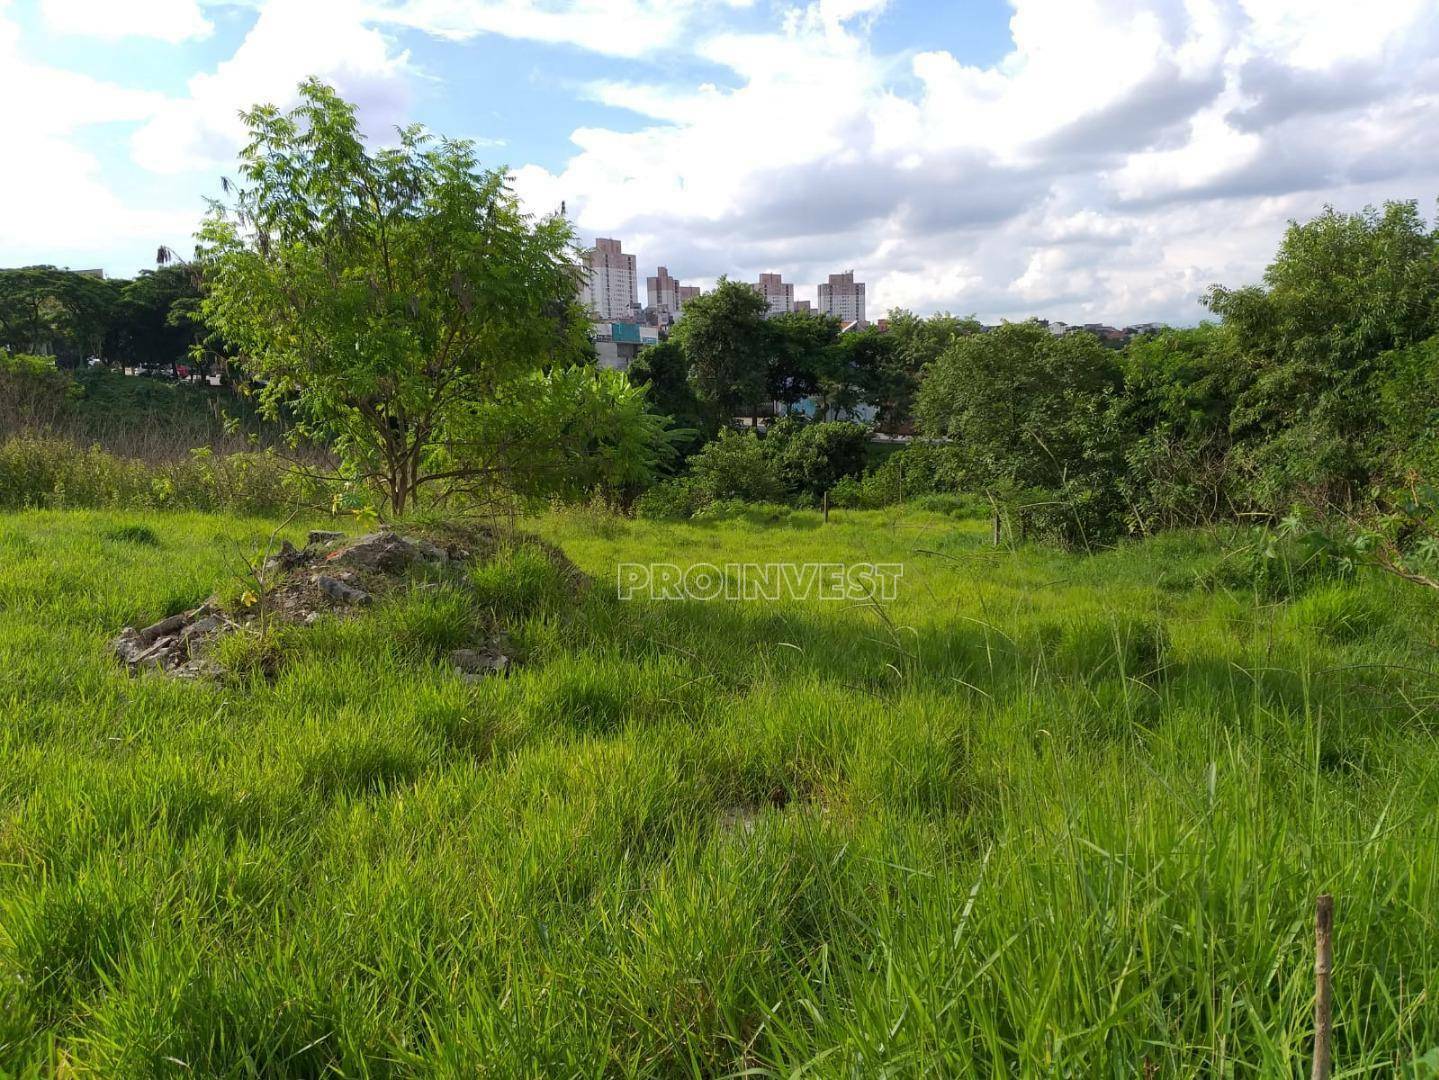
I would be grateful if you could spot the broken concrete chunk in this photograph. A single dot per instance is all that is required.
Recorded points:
(323, 536)
(475, 664)
(287, 558)
(338, 590)
(163, 627)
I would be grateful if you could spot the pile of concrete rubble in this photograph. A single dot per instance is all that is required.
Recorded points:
(331, 575)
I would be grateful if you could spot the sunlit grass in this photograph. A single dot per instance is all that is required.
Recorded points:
(1044, 813)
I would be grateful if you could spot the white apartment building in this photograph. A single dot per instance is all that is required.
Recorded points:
(843, 297)
(778, 295)
(609, 286)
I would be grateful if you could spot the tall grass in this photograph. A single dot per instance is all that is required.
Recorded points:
(39, 471)
(1043, 814)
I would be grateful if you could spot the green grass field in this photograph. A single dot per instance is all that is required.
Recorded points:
(1044, 814)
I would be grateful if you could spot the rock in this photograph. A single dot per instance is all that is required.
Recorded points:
(199, 668)
(128, 647)
(165, 626)
(338, 590)
(476, 664)
(386, 553)
(322, 536)
(199, 628)
(287, 558)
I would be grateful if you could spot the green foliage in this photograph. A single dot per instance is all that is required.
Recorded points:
(676, 499)
(912, 472)
(800, 346)
(1409, 410)
(664, 370)
(817, 456)
(1343, 290)
(1174, 415)
(737, 465)
(1289, 561)
(917, 343)
(726, 344)
(1030, 415)
(381, 296)
(34, 393)
(37, 471)
(567, 432)
(55, 312)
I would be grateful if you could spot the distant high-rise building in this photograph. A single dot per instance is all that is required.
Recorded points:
(667, 297)
(778, 295)
(663, 293)
(608, 287)
(843, 297)
(804, 305)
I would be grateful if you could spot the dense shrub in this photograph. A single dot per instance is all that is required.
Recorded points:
(671, 500)
(737, 466)
(918, 470)
(817, 456)
(34, 393)
(1286, 562)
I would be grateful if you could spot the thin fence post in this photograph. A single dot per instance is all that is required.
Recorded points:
(1323, 966)
(997, 527)
(826, 507)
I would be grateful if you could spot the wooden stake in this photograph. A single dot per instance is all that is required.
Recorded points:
(996, 528)
(826, 507)
(1323, 965)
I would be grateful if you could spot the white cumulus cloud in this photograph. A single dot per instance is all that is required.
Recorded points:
(167, 20)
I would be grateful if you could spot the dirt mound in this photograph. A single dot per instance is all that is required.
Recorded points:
(331, 575)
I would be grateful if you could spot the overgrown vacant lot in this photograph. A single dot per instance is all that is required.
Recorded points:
(1045, 812)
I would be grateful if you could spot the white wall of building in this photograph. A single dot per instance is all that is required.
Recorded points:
(612, 281)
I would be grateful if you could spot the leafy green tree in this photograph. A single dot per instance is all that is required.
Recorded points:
(799, 351)
(727, 345)
(1180, 387)
(52, 312)
(663, 369)
(1342, 290)
(858, 370)
(737, 465)
(916, 342)
(1030, 415)
(1409, 411)
(152, 325)
(380, 295)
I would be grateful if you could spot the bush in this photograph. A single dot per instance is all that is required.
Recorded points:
(916, 471)
(737, 466)
(1286, 563)
(817, 456)
(673, 500)
(34, 393)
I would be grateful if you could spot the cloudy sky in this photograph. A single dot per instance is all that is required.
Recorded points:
(1078, 159)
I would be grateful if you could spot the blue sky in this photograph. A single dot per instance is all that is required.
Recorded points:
(1078, 159)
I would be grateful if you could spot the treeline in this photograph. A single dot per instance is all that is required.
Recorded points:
(150, 321)
(726, 359)
(1317, 389)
